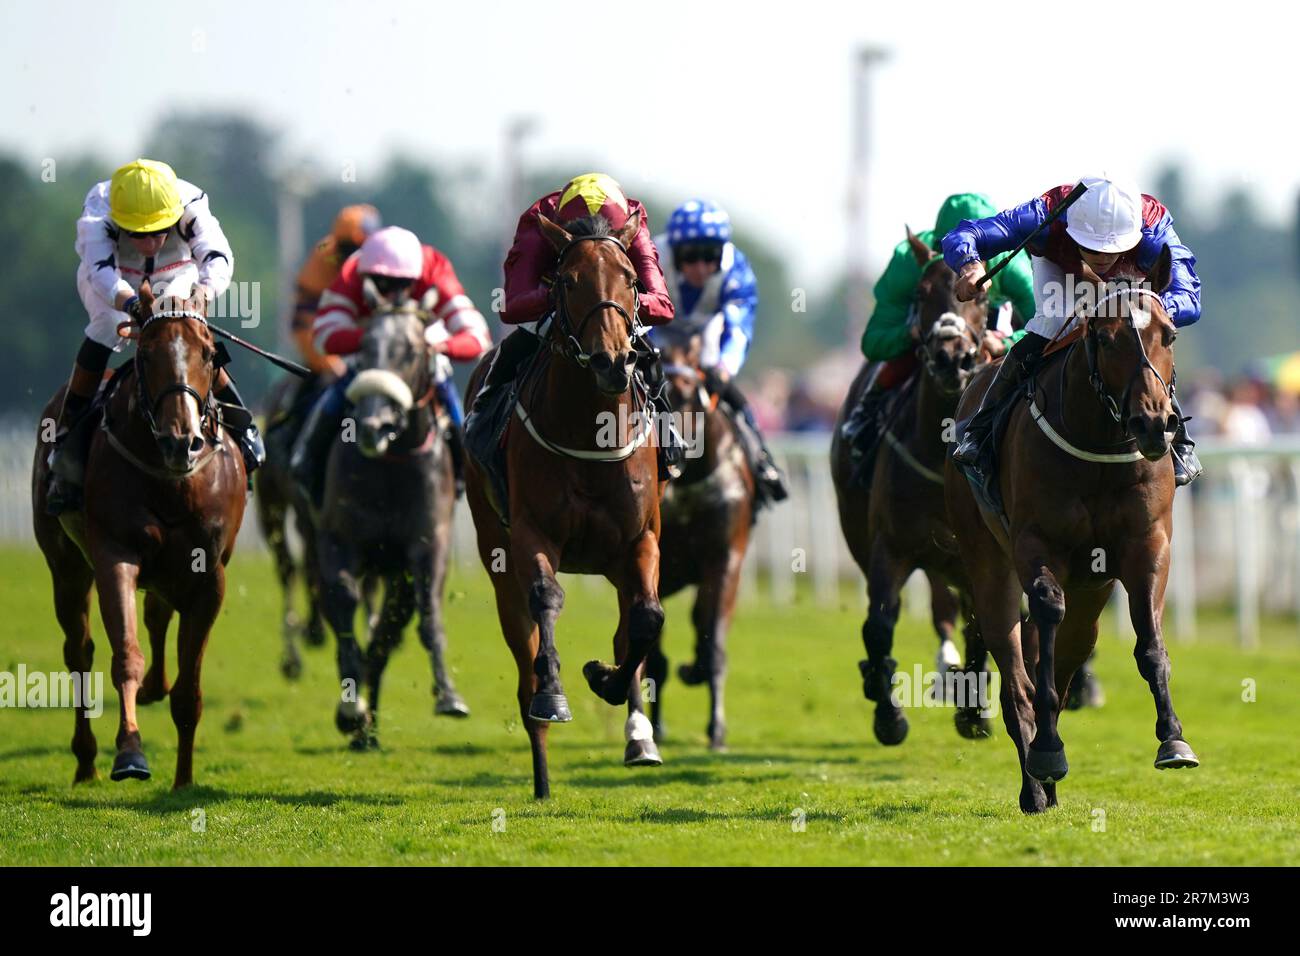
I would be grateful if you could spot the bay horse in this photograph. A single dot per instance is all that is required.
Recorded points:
(165, 495)
(578, 502)
(277, 497)
(386, 516)
(706, 517)
(1088, 488)
(900, 524)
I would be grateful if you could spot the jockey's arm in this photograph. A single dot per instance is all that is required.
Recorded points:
(886, 335)
(739, 306)
(656, 304)
(1014, 284)
(1182, 299)
(97, 246)
(976, 240)
(336, 330)
(208, 245)
(459, 330)
(527, 274)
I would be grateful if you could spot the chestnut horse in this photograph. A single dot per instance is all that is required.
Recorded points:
(900, 523)
(165, 490)
(575, 503)
(1088, 490)
(707, 514)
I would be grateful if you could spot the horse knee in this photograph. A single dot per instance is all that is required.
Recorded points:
(644, 622)
(545, 596)
(1046, 600)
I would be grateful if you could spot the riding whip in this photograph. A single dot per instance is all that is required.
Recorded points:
(1055, 214)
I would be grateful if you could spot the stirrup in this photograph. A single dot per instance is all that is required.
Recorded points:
(1187, 467)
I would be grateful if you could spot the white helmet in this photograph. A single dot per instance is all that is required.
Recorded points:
(1106, 218)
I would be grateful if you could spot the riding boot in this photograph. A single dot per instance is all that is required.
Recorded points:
(1010, 375)
(456, 445)
(68, 459)
(672, 446)
(307, 463)
(768, 477)
(511, 353)
(1187, 467)
(244, 428)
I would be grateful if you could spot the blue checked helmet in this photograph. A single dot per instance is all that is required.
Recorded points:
(698, 220)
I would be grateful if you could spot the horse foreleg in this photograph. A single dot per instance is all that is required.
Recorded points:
(714, 606)
(638, 732)
(944, 608)
(535, 560)
(187, 694)
(314, 626)
(157, 618)
(386, 634)
(520, 632)
(1146, 603)
(1041, 582)
(115, 578)
(885, 577)
(970, 717)
(643, 620)
(72, 608)
(340, 595)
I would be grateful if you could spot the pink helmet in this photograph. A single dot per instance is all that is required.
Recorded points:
(394, 252)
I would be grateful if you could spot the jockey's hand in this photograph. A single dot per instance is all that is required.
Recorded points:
(993, 343)
(967, 287)
(134, 307)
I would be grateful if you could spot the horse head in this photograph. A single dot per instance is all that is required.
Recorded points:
(175, 374)
(392, 379)
(596, 297)
(950, 331)
(1129, 345)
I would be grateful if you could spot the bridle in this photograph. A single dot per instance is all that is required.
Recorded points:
(148, 403)
(1119, 410)
(571, 346)
(949, 325)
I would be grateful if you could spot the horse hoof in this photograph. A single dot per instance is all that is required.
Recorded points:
(351, 716)
(642, 753)
(1046, 766)
(291, 668)
(550, 708)
(85, 775)
(600, 678)
(314, 635)
(1174, 754)
(890, 728)
(692, 674)
(362, 741)
(451, 705)
(971, 725)
(130, 765)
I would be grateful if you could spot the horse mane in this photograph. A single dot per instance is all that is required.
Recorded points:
(589, 226)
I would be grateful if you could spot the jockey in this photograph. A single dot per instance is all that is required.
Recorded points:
(391, 266)
(715, 291)
(529, 275)
(142, 223)
(891, 337)
(351, 227)
(1115, 230)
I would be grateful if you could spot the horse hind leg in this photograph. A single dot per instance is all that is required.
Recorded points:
(944, 609)
(972, 714)
(884, 582)
(187, 695)
(272, 517)
(638, 731)
(340, 595)
(72, 608)
(656, 676)
(157, 618)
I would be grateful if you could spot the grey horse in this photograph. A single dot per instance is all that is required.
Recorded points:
(386, 513)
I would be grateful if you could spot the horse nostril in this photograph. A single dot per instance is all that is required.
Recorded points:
(1172, 424)
(196, 445)
(602, 362)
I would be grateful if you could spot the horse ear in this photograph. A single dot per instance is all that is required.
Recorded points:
(146, 294)
(920, 250)
(555, 235)
(1162, 272)
(627, 235)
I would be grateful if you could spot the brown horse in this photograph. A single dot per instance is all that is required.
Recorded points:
(576, 503)
(899, 524)
(165, 489)
(1088, 489)
(707, 514)
(276, 498)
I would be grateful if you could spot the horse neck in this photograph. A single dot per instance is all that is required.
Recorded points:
(570, 403)
(932, 407)
(1084, 421)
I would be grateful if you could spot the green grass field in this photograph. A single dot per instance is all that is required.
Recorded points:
(275, 784)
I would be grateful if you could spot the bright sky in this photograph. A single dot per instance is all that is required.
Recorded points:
(748, 103)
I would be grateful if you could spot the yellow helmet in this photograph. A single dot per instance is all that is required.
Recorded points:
(143, 197)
